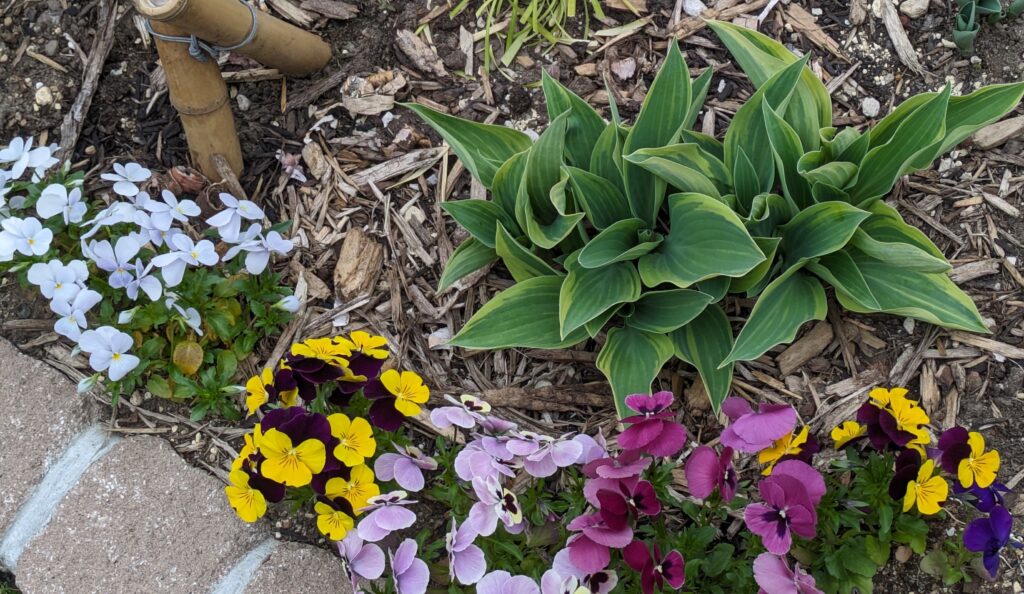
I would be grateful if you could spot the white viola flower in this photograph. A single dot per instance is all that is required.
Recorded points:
(108, 351)
(56, 200)
(26, 236)
(179, 210)
(58, 281)
(258, 248)
(126, 316)
(21, 157)
(150, 232)
(72, 313)
(4, 188)
(186, 253)
(229, 221)
(190, 315)
(125, 178)
(116, 213)
(143, 279)
(116, 259)
(290, 304)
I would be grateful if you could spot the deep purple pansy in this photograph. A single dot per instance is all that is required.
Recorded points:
(655, 570)
(989, 536)
(707, 471)
(789, 498)
(652, 430)
(589, 549)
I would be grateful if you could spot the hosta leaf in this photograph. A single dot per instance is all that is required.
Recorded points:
(470, 256)
(507, 180)
(524, 315)
(479, 217)
(544, 168)
(604, 203)
(761, 57)
(606, 161)
(928, 296)
(661, 162)
(836, 173)
(748, 186)
(712, 146)
(767, 212)
(631, 359)
(587, 292)
(898, 253)
(786, 304)
(546, 235)
(658, 124)
(482, 148)
(700, 225)
(768, 245)
(787, 149)
(698, 93)
(704, 343)
(665, 311)
(716, 287)
(618, 243)
(595, 326)
(822, 192)
(521, 262)
(886, 224)
(821, 229)
(584, 124)
(911, 144)
(747, 135)
(839, 270)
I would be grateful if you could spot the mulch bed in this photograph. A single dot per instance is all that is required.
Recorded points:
(375, 181)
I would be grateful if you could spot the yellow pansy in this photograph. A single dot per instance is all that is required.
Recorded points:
(293, 465)
(248, 449)
(326, 349)
(927, 491)
(332, 523)
(248, 503)
(357, 490)
(408, 390)
(847, 432)
(980, 467)
(882, 396)
(356, 439)
(787, 445)
(369, 344)
(256, 393)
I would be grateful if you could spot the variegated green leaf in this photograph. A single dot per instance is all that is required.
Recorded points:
(698, 92)
(604, 203)
(631, 359)
(686, 167)
(768, 245)
(480, 218)
(819, 230)
(665, 311)
(521, 262)
(787, 149)
(839, 270)
(544, 169)
(704, 343)
(584, 125)
(470, 256)
(587, 292)
(626, 240)
(606, 161)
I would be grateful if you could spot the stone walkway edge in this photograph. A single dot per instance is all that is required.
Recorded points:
(83, 511)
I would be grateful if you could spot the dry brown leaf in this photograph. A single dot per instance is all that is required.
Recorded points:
(423, 56)
(373, 94)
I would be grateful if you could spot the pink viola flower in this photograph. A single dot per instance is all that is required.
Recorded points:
(466, 561)
(707, 472)
(408, 573)
(360, 560)
(629, 499)
(654, 569)
(541, 455)
(473, 462)
(405, 467)
(750, 432)
(589, 549)
(774, 576)
(652, 430)
(494, 503)
(387, 514)
(466, 412)
(627, 464)
(565, 578)
(593, 448)
(503, 582)
(789, 498)
(496, 426)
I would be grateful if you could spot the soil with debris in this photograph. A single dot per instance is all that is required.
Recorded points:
(354, 163)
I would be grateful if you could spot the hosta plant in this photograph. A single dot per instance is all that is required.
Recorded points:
(634, 234)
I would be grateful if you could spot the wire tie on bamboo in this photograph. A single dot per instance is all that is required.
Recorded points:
(199, 49)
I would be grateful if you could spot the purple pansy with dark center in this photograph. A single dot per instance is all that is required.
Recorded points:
(619, 504)
(983, 498)
(953, 448)
(652, 430)
(883, 430)
(541, 455)
(750, 431)
(589, 549)
(655, 570)
(707, 472)
(789, 497)
(774, 576)
(989, 536)
(465, 412)
(386, 515)
(627, 464)
(309, 372)
(494, 503)
(565, 578)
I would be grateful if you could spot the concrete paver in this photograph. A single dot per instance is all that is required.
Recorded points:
(42, 414)
(140, 520)
(300, 569)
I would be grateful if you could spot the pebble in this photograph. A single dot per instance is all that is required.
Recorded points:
(870, 107)
(694, 7)
(50, 49)
(44, 96)
(914, 8)
(816, 11)
(243, 102)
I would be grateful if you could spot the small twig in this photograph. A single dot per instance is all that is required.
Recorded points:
(71, 127)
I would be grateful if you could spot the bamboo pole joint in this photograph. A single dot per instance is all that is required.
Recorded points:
(199, 49)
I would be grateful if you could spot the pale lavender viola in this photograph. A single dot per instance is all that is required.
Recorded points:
(466, 412)
(494, 503)
(405, 466)
(773, 576)
(503, 582)
(466, 562)
(542, 455)
(409, 574)
(565, 578)
(387, 513)
(361, 560)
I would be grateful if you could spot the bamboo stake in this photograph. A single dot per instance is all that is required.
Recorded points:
(227, 23)
(200, 95)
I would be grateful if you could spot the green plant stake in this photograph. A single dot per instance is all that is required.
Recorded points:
(640, 231)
